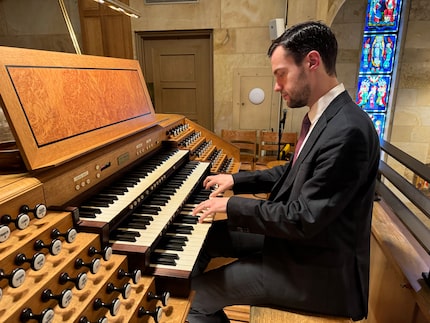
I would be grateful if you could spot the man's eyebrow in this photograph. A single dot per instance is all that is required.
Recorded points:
(278, 70)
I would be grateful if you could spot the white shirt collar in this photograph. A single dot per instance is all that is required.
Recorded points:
(319, 107)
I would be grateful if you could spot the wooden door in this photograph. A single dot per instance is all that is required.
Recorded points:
(105, 32)
(262, 114)
(177, 67)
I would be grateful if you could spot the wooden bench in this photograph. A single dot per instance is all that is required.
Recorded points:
(265, 314)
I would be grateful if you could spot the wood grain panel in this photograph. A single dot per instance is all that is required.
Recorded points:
(60, 103)
(71, 92)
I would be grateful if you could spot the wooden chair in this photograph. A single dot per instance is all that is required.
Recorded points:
(246, 141)
(268, 145)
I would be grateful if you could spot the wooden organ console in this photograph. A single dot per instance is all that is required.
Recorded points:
(96, 192)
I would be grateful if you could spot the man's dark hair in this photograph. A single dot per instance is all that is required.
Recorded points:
(302, 38)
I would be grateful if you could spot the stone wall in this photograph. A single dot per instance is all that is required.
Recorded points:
(348, 26)
(241, 37)
(411, 122)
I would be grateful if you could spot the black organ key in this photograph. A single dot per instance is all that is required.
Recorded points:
(171, 246)
(176, 238)
(124, 235)
(143, 217)
(89, 209)
(167, 246)
(182, 239)
(167, 191)
(171, 243)
(164, 205)
(161, 200)
(172, 256)
(148, 209)
(98, 203)
(87, 214)
(113, 191)
(180, 229)
(129, 190)
(139, 219)
(127, 181)
(199, 199)
(106, 199)
(110, 196)
(136, 225)
(187, 219)
(163, 259)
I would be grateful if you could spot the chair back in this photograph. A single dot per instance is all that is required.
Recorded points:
(246, 141)
(268, 145)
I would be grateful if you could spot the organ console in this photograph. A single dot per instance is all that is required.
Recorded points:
(96, 193)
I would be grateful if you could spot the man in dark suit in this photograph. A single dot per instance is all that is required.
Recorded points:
(305, 248)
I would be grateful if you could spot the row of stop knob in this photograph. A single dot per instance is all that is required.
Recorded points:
(21, 221)
(17, 277)
(65, 297)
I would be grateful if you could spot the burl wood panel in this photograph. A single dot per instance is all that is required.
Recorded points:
(60, 106)
(60, 103)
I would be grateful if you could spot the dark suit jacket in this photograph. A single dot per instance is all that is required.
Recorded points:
(317, 220)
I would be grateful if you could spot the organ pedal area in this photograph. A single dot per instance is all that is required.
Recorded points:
(96, 193)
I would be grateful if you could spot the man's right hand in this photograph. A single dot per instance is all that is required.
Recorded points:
(220, 183)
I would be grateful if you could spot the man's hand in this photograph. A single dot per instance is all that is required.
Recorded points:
(210, 207)
(220, 183)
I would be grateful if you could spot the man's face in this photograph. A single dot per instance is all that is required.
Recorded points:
(291, 79)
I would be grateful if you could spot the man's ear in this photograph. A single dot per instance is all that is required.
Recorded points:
(314, 59)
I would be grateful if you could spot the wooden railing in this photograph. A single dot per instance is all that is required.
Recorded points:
(400, 244)
(415, 196)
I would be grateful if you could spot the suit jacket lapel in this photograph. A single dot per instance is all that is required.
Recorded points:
(319, 127)
(280, 183)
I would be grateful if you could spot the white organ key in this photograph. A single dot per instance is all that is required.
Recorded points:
(126, 201)
(166, 213)
(188, 256)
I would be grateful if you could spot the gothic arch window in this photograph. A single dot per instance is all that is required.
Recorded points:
(378, 60)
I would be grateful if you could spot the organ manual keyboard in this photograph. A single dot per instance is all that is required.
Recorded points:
(96, 197)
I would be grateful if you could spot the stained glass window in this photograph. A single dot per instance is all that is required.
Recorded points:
(377, 59)
(383, 16)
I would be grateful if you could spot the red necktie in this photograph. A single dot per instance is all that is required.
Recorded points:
(306, 124)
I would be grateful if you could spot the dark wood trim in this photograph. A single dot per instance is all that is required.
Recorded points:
(415, 225)
(413, 164)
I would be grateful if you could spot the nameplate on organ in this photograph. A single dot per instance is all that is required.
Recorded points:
(90, 142)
